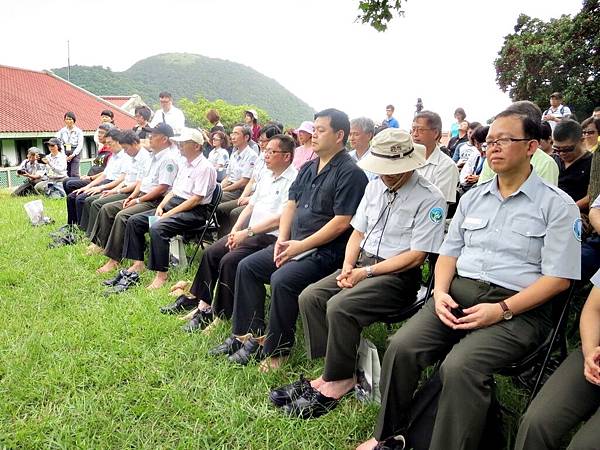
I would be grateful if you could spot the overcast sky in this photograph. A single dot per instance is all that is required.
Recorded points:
(441, 51)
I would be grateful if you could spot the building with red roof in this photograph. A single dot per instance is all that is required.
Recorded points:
(32, 106)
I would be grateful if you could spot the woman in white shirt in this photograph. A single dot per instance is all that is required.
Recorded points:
(219, 156)
(72, 142)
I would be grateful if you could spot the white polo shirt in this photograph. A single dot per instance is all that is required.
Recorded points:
(137, 166)
(174, 117)
(117, 164)
(440, 170)
(271, 195)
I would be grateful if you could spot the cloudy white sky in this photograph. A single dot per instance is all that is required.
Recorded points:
(441, 51)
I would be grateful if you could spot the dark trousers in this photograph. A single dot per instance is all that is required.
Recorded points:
(73, 167)
(95, 208)
(333, 318)
(72, 183)
(219, 263)
(227, 205)
(75, 204)
(590, 257)
(566, 400)
(466, 371)
(109, 231)
(28, 187)
(287, 283)
(160, 233)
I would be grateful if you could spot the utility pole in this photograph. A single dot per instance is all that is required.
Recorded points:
(68, 62)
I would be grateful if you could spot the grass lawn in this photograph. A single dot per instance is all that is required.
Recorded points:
(79, 370)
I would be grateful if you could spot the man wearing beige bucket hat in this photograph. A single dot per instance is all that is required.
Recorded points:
(399, 220)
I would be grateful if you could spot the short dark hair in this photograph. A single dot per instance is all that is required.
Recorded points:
(567, 130)
(107, 112)
(165, 94)
(270, 131)
(480, 134)
(597, 108)
(526, 108)
(128, 137)
(433, 120)
(556, 95)
(591, 120)
(286, 143)
(70, 115)
(390, 107)
(339, 121)
(473, 125)
(114, 133)
(461, 112)
(105, 126)
(143, 111)
(545, 131)
(531, 127)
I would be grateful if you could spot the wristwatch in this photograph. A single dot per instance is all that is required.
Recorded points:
(250, 232)
(506, 312)
(369, 271)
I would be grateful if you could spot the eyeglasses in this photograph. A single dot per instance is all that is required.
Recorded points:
(502, 142)
(565, 149)
(420, 129)
(270, 152)
(589, 132)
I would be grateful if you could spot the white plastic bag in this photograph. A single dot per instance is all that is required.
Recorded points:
(368, 372)
(35, 212)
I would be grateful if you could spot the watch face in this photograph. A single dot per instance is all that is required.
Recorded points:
(507, 315)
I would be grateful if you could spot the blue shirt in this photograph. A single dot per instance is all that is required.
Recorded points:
(335, 191)
(392, 123)
(513, 241)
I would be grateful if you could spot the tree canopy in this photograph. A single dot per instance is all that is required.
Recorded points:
(195, 112)
(379, 13)
(562, 55)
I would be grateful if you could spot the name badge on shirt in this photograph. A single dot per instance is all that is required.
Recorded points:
(68, 147)
(473, 220)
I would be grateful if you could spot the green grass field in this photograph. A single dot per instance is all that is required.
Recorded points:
(79, 370)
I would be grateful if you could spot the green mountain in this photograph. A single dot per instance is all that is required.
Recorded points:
(188, 75)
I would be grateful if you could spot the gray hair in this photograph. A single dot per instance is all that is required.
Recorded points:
(364, 123)
(433, 120)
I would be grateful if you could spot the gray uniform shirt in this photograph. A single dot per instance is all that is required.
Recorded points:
(415, 221)
(514, 241)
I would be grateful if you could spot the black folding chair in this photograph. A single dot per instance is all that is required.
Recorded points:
(422, 296)
(210, 226)
(537, 361)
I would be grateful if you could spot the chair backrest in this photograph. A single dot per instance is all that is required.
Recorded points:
(211, 220)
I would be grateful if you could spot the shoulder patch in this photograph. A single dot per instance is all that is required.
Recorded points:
(436, 214)
(577, 229)
(170, 168)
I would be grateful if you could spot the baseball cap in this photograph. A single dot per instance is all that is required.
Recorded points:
(189, 134)
(162, 128)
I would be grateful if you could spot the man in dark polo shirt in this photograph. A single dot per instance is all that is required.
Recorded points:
(574, 162)
(313, 231)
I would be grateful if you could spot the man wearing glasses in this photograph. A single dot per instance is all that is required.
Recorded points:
(574, 162)
(439, 169)
(513, 244)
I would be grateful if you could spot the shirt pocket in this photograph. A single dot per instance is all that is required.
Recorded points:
(529, 237)
(398, 233)
(475, 233)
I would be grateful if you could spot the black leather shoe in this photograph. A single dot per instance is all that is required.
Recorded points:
(249, 350)
(311, 404)
(128, 280)
(183, 303)
(286, 394)
(113, 281)
(228, 347)
(199, 320)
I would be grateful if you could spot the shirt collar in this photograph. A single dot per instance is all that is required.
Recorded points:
(529, 187)
(435, 156)
(196, 161)
(289, 173)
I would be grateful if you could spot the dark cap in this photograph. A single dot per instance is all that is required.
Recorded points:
(556, 95)
(54, 141)
(161, 128)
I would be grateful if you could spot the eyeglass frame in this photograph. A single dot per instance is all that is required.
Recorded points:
(487, 144)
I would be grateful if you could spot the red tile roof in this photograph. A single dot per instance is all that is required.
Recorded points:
(32, 101)
(118, 100)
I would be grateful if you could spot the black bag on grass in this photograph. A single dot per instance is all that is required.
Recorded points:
(424, 409)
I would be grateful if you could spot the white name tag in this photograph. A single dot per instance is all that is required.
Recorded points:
(473, 220)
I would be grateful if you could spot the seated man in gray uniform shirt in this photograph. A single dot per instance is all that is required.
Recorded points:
(513, 244)
(399, 220)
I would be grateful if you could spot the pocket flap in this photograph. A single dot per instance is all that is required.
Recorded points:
(529, 228)
(471, 223)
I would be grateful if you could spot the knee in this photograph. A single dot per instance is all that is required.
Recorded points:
(534, 420)
(454, 367)
(587, 440)
(337, 307)
(307, 298)
(157, 230)
(399, 347)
